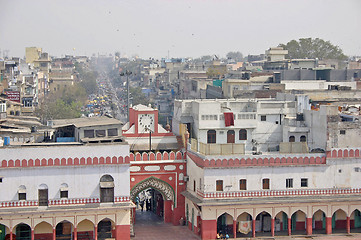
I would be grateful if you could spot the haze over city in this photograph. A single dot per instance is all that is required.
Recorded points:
(158, 28)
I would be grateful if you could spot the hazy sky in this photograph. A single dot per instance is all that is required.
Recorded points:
(151, 28)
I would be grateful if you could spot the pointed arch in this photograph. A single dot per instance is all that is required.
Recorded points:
(221, 212)
(43, 227)
(161, 186)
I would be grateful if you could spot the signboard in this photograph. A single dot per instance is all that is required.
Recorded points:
(13, 95)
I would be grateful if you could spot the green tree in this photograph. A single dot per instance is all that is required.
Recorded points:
(138, 96)
(236, 56)
(313, 48)
(66, 102)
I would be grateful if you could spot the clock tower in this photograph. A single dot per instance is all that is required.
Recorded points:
(143, 130)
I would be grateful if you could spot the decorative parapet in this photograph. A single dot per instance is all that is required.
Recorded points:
(64, 162)
(278, 193)
(60, 202)
(344, 153)
(22, 203)
(204, 162)
(157, 156)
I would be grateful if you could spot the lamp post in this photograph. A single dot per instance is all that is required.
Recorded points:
(127, 73)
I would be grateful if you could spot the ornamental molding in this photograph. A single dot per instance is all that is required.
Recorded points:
(164, 188)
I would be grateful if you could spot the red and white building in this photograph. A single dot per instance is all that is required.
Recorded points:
(257, 174)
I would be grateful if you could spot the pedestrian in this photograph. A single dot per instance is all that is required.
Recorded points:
(147, 204)
(141, 205)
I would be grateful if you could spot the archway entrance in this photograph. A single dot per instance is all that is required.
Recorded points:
(23, 232)
(157, 196)
(263, 224)
(225, 225)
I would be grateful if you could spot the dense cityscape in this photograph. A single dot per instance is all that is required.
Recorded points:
(116, 145)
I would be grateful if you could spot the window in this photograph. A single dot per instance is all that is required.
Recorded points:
(263, 118)
(106, 189)
(43, 195)
(63, 194)
(303, 138)
(112, 132)
(304, 182)
(194, 185)
(219, 185)
(64, 191)
(89, 133)
(230, 136)
(200, 184)
(343, 132)
(22, 196)
(265, 183)
(1, 179)
(243, 134)
(22, 193)
(291, 139)
(211, 136)
(100, 133)
(243, 184)
(289, 183)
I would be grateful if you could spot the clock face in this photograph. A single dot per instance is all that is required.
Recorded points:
(145, 122)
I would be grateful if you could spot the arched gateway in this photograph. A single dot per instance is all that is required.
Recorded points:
(163, 187)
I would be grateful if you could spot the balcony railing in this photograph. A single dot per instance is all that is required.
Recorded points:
(217, 149)
(280, 193)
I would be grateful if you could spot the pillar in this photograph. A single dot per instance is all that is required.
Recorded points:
(234, 229)
(167, 211)
(11, 235)
(309, 226)
(348, 225)
(54, 234)
(328, 225)
(273, 227)
(209, 229)
(96, 232)
(289, 226)
(32, 234)
(75, 234)
(122, 232)
(254, 228)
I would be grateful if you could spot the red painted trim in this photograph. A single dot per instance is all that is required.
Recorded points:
(140, 135)
(206, 163)
(63, 162)
(57, 202)
(343, 153)
(122, 232)
(278, 193)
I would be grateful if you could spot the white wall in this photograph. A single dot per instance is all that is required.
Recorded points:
(82, 181)
(319, 177)
(63, 151)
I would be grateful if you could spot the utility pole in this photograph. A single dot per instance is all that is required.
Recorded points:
(127, 73)
(150, 140)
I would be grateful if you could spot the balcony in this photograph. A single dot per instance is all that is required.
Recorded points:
(293, 147)
(217, 149)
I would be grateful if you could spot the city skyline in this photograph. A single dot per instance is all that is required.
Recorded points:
(159, 28)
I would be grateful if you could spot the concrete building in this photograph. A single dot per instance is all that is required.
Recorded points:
(67, 189)
(264, 168)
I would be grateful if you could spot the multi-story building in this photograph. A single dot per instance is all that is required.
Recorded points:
(262, 167)
(62, 188)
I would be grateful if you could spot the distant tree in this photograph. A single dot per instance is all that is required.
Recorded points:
(66, 102)
(313, 48)
(217, 71)
(138, 96)
(87, 79)
(236, 56)
(206, 58)
(89, 83)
